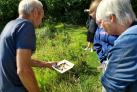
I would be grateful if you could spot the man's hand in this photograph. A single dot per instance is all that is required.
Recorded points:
(50, 64)
(42, 64)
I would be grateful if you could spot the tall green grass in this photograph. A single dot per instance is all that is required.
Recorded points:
(60, 41)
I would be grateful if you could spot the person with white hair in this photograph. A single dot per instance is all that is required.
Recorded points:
(116, 17)
(17, 43)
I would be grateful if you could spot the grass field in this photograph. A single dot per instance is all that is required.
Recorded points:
(60, 41)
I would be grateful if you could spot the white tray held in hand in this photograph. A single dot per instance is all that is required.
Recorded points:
(63, 66)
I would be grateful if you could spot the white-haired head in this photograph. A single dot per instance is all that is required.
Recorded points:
(120, 8)
(26, 6)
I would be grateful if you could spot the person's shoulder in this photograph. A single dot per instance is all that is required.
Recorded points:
(130, 31)
(129, 35)
(23, 21)
(18, 22)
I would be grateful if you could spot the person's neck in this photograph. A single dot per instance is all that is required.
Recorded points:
(26, 17)
(123, 28)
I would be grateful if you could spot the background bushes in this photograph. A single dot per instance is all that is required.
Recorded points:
(8, 10)
(70, 11)
(67, 10)
(57, 10)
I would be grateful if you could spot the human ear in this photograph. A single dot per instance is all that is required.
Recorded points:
(35, 13)
(112, 18)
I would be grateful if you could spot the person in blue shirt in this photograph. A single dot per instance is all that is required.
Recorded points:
(103, 42)
(116, 17)
(17, 43)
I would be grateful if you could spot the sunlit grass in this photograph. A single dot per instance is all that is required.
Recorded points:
(62, 41)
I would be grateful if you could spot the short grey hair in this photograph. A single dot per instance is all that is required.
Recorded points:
(122, 9)
(26, 6)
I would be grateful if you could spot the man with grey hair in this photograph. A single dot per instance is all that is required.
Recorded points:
(17, 43)
(116, 17)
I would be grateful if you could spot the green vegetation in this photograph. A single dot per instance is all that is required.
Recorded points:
(56, 42)
(62, 41)
(69, 11)
(56, 10)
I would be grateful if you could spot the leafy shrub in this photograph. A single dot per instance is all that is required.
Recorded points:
(8, 10)
(70, 11)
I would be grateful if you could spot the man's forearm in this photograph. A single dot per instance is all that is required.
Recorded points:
(37, 63)
(28, 79)
(24, 70)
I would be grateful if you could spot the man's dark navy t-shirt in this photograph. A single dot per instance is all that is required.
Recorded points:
(17, 34)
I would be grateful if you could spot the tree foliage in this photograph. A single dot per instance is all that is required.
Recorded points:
(57, 10)
(8, 10)
(70, 11)
(66, 10)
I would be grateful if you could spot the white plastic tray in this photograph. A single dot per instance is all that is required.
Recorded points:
(63, 66)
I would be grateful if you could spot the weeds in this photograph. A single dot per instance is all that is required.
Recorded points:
(58, 42)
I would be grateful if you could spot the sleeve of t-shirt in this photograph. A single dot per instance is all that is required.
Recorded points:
(25, 37)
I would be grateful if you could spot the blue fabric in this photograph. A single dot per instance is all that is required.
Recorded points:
(103, 43)
(121, 73)
(17, 34)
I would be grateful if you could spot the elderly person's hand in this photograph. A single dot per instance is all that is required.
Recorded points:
(50, 64)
